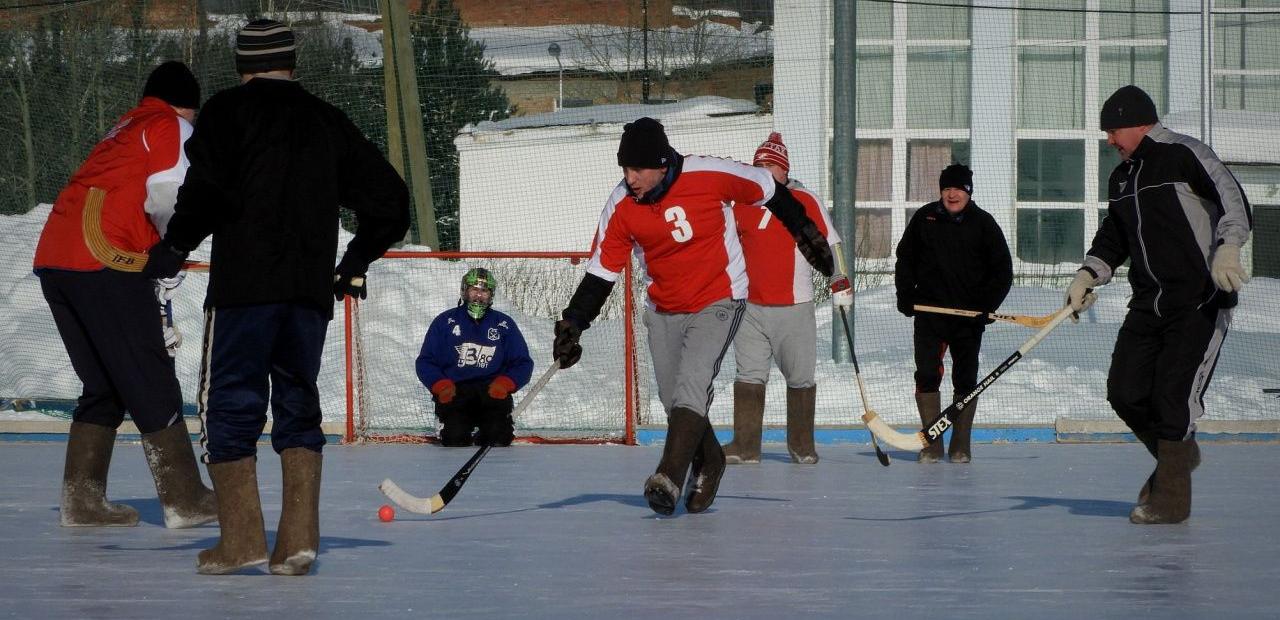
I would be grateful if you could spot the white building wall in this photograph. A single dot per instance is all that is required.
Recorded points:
(542, 189)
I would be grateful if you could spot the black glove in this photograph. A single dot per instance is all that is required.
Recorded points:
(163, 261)
(814, 248)
(566, 347)
(906, 307)
(349, 284)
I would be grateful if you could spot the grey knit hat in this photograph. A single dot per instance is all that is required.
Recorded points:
(265, 45)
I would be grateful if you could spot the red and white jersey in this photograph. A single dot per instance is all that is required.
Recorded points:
(779, 274)
(688, 241)
(140, 164)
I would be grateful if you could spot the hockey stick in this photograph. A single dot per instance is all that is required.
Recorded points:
(100, 247)
(933, 430)
(437, 502)
(1020, 319)
(867, 413)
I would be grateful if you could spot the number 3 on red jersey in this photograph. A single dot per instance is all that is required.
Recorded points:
(682, 231)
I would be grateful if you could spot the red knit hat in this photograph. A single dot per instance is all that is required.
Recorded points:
(772, 151)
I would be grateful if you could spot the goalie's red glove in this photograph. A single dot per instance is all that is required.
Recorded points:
(444, 391)
(501, 388)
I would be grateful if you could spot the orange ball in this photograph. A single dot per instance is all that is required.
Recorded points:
(386, 513)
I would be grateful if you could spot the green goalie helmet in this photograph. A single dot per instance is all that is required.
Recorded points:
(478, 289)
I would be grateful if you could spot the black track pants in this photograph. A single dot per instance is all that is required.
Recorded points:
(1161, 368)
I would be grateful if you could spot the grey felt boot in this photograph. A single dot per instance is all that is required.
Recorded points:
(684, 435)
(800, 411)
(186, 501)
(243, 539)
(748, 420)
(84, 480)
(929, 404)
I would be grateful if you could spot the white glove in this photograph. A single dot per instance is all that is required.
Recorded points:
(166, 287)
(1227, 271)
(1079, 294)
(172, 337)
(841, 291)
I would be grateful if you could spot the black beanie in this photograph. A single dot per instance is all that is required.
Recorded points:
(173, 83)
(956, 175)
(265, 45)
(1129, 106)
(644, 145)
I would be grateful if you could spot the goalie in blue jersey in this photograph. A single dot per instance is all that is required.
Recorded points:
(473, 358)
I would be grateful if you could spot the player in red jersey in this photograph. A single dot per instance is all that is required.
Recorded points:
(113, 209)
(675, 213)
(779, 322)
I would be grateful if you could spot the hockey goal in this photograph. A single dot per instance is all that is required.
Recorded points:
(597, 400)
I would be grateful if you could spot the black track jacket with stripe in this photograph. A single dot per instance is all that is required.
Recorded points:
(1172, 203)
(270, 165)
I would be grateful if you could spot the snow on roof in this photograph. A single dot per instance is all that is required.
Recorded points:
(1239, 136)
(689, 110)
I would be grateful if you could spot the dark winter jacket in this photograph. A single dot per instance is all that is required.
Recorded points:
(270, 165)
(951, 261)
(460, 348)
(1172, 203)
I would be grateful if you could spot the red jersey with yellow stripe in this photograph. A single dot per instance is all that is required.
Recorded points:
(687, 242)
(779, 274)
(140, 165)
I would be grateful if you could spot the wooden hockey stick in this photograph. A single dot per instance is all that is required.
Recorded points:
(100, 247)
(867, 413)
(1021, 319)
(437, 502)
(933, 431)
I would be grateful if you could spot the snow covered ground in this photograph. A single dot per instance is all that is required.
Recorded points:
(1063, 377)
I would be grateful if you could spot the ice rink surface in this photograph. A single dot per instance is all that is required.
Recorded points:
(1026, 530)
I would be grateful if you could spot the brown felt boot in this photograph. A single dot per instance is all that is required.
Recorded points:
(186, 501)
(1149, 441)
(84, 480)
(929, 404)
(243, 541)
(684, 435)
(708, 467)
(748, 418)
(958, 450)
(1170, 497)
(800, 409)
(298, 535)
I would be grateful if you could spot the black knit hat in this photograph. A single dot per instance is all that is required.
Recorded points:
(644, 145)
(173, 83)
(1129, 106)
(956, 175)
(265, 45)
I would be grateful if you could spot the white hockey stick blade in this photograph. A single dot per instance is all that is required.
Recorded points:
(412, 503)
(903, 441)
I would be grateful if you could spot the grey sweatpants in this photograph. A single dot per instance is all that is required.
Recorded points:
(786, 334)
(687, 350)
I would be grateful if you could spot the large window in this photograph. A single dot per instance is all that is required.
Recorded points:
(1146, 67)
(925, 161)
(1051, 236)
(1063, 20)
(1146, 19)
(875, 171)
(1108, 159)
(875, 20)
(874, 232)
(1246, 49)
(875, 87)
(945, 21)
(938, 87)
(1051, 88)
(1051, 170)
